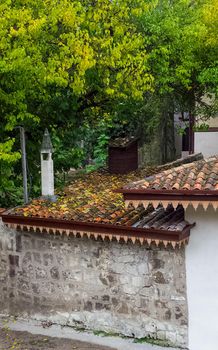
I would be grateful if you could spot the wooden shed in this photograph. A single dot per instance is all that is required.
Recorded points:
(123, 155)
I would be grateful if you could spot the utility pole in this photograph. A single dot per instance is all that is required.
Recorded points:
(24, 164)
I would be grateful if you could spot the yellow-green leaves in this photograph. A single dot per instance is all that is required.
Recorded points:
(57, 43)
(66, 55)
(6, 153)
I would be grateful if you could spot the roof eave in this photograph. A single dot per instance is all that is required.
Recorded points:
(110, 231)
(175, 197)
(165, 192)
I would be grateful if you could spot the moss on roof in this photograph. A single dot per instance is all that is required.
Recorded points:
(90, 198)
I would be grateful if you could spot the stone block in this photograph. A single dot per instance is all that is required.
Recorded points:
(157, 263)
(13, 260)
(35, 288)
(47, 259)
(54, 273)
(129, 289)
(159, 278)
(27, 259)
(23, 285)
(88, 306)
(27, 271)
(40, 273)
(142, 268)
(18, 242)
(123, 309)
(125, 279)
(72, 275)
(37, 258)
(105, 298)
(161, 335)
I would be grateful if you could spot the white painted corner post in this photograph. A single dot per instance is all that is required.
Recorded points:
(47, 167)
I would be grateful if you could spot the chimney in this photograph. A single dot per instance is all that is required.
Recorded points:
(123, 155)
(47, 168)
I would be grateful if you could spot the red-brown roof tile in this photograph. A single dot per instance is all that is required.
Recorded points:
(200, 176)
(91, 200)
(168, 219)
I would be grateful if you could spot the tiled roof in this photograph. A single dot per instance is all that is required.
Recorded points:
(92, 198)
(200, 176)
(168, 219)
(162, 219)
(88, 200)
(89, 203)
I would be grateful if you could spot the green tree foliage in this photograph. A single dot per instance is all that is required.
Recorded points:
(181, 41)
(209, 74)
(63, 61)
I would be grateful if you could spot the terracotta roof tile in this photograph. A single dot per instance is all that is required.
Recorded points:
(91, 199)
(199, 175)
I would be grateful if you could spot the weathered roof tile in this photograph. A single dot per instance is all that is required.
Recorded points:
(199, 175)
(91, 199)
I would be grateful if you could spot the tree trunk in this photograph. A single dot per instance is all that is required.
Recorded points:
(167, 132)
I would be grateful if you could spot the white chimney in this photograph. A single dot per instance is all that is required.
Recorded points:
(47, 168)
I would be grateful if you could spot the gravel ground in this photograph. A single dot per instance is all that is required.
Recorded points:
(14, 340)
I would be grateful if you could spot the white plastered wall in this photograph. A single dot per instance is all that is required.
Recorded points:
(202, 279)
(206, 143)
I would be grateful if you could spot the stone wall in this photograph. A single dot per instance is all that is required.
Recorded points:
(117, 288)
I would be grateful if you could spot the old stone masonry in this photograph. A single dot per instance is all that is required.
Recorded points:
(117, 288)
